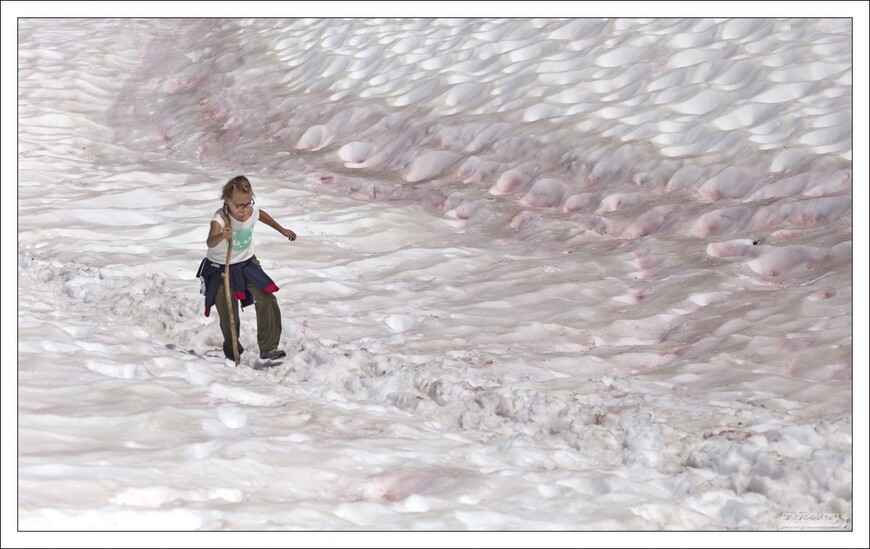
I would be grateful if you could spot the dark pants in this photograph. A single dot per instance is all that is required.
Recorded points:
(268, 318)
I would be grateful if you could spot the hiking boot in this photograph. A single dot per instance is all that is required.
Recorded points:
(274, 354)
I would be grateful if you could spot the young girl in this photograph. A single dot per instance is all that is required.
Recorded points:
(248, 282)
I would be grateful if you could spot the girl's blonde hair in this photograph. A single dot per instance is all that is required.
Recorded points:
(239, 183)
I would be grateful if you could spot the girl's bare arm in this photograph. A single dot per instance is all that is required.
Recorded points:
(267, 219)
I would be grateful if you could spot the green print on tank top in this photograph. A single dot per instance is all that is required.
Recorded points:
(242, 239)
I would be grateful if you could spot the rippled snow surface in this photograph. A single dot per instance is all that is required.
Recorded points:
(551, 274)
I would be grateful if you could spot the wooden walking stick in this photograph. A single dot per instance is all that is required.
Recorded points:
(228, 291)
